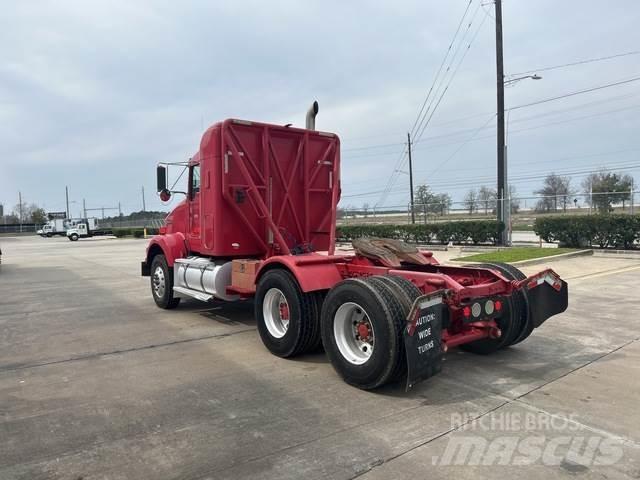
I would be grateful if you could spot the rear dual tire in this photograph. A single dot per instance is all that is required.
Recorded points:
(288, 319)
(362, 323)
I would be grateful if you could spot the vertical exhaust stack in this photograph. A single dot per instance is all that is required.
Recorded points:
(310, 123)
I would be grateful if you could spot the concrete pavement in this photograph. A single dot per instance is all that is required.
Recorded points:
(97, 383)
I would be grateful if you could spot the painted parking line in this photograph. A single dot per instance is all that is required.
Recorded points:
(604, 273)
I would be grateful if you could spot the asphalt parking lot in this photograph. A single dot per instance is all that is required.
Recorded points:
(96, 383)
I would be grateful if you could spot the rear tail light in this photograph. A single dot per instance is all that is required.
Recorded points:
(497, 305)
(466, 311)
(489, 307)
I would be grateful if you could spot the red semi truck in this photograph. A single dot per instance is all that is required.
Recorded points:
(259, 220)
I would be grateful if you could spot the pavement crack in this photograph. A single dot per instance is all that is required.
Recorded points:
(87, 356)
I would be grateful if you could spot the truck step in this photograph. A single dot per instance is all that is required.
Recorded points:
(203, 297)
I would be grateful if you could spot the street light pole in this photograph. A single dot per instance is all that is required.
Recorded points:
(501, 190)
(66, 195)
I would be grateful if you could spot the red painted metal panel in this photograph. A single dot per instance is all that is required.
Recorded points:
(270, 190)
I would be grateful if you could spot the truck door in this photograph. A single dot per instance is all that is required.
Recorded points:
(194, 208)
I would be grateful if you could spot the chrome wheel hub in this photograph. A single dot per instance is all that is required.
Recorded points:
(159, 283)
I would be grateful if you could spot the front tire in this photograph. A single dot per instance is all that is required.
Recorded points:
(162, 283)
(73, 237)
(288, 319)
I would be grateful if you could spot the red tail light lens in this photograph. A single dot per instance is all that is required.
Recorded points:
(498, 305)
(466, 311)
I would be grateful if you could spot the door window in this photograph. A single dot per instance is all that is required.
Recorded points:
(195, 180)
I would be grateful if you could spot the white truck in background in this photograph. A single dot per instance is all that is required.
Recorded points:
(57, 225)
(84, 228)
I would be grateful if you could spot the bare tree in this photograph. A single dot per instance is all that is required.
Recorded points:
(513, 199)
(471, 201)
(487, 197)
(555, 190)
(26, 212)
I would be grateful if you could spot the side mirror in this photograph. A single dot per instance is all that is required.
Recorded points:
(161, 174)
(165, 195)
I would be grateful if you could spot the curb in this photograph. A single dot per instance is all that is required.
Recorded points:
(629, 254)
(535, 261)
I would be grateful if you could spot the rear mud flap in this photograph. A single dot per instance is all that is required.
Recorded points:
(422, 337)
(548, 295)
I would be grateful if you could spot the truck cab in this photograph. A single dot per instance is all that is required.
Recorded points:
(83, 228)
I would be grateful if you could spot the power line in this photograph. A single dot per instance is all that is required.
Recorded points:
(622, 82)
(478, 182)
(450, 157)
(435, 79)
(420, 127)
(453, 74)
(620, 164)
(424, 146)
(555, 160)
(456, 133)
(580, 62)
(420, 118)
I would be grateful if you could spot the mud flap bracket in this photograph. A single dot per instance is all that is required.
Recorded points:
(548, 295)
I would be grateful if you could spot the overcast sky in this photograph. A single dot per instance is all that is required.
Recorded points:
(93, 94)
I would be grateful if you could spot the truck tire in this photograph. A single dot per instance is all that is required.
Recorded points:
(74, 237)
(162, 283)
(522, 300)
(49, 235)
(514, 329)
(403, 303)
(362, 325)
(288, 319)
(410, 290)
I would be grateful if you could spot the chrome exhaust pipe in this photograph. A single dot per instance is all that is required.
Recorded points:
(310, 123)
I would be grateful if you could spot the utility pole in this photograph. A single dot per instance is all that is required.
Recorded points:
(501, 191)
(119, 210)
(84, 208)
(66, 194)
(144, 207)
(20, 208)
(102, 213)
(413, 213)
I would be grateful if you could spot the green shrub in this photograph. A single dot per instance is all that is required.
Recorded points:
(619, 231)
(138, 233)
(121, 232)
(481, 231)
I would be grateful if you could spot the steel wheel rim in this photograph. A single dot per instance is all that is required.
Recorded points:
(349, 323)
(159, 283)
(276, 313)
